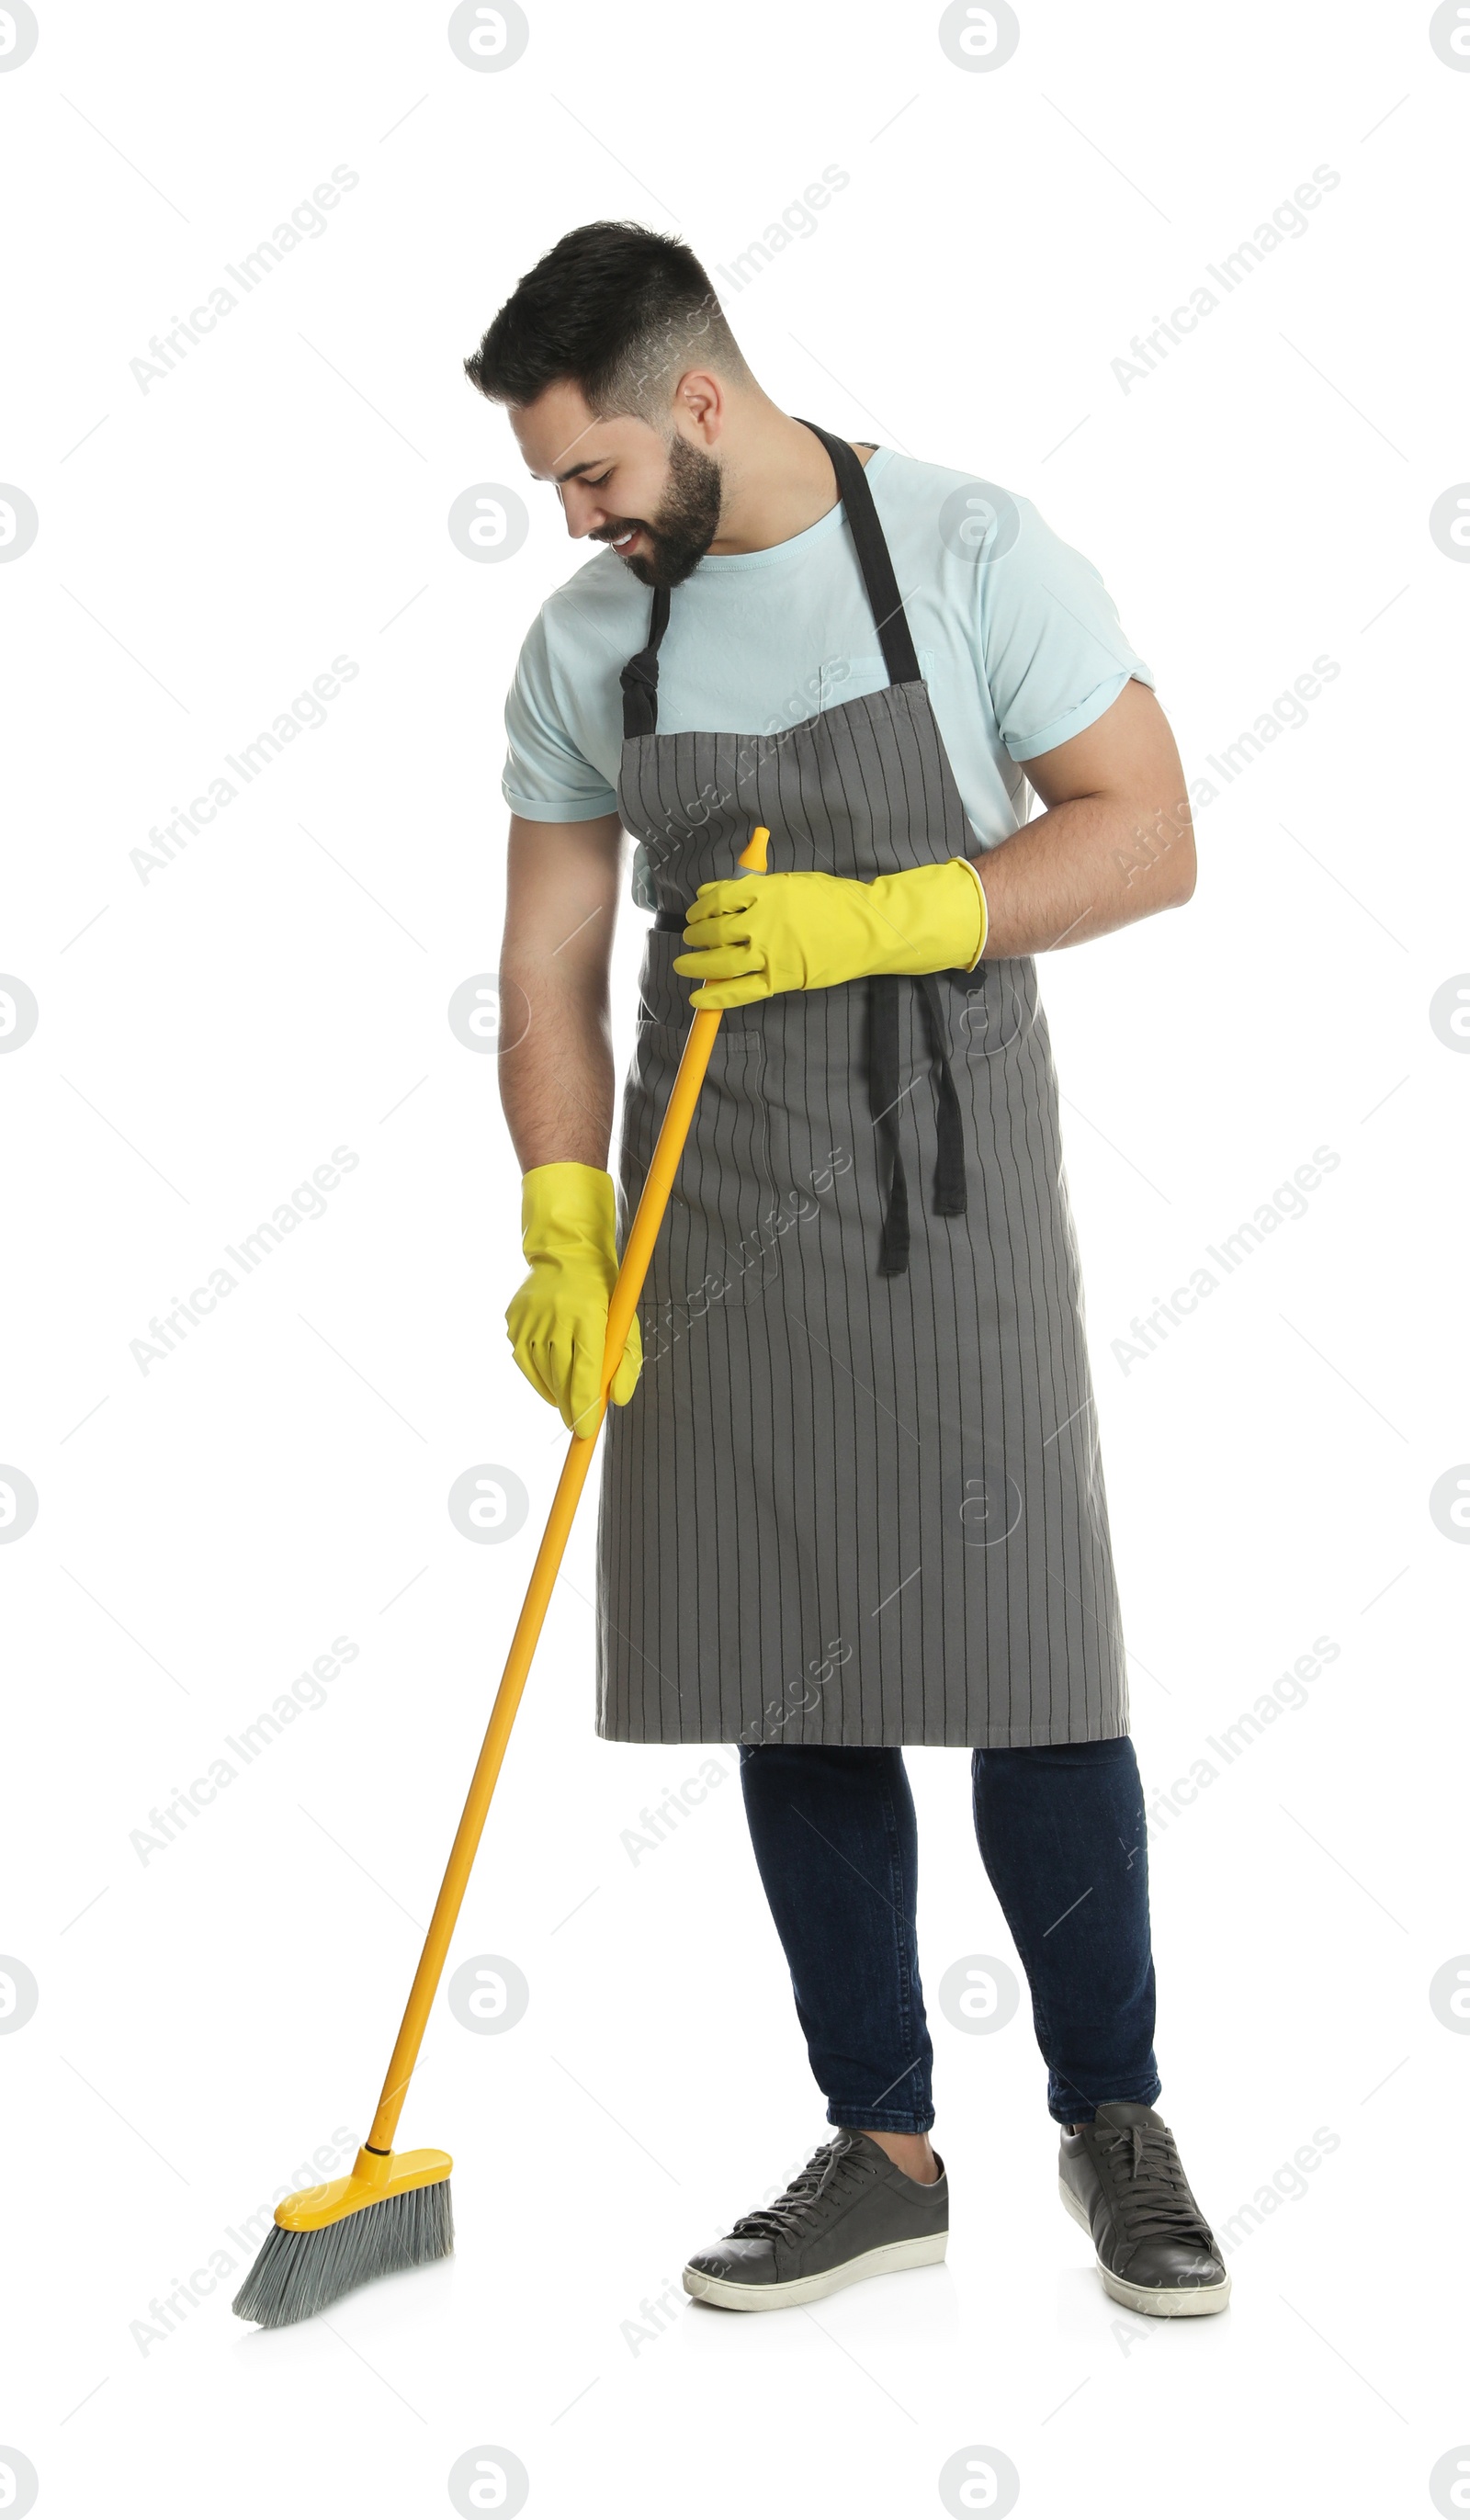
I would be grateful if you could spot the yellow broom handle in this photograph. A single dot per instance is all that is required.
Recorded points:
(637, 1254)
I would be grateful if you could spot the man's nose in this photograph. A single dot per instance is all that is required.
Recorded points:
(583, 514)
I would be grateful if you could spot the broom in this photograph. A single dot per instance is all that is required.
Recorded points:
(393, 2211)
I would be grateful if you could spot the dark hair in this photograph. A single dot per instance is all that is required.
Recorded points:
(614, 309)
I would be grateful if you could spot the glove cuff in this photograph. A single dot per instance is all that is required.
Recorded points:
(970, 867)
(566, 1208)
(928, 918)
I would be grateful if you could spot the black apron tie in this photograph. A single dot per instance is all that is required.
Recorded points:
(885, 1099)
(883, 1106)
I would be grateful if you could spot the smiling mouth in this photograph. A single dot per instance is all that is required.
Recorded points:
(625, 542)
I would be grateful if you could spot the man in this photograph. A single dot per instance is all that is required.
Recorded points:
(851, 1492)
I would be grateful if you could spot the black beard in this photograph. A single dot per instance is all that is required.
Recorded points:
(688, 519)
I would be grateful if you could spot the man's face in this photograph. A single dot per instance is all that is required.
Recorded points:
(657, 506)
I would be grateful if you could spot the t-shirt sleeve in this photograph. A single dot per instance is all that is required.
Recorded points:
(545, 778)
(1051, 644)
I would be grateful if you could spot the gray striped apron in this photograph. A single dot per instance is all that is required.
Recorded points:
(857, 1496)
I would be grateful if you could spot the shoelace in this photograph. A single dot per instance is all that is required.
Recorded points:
(1149, 2189)
(830, 2176)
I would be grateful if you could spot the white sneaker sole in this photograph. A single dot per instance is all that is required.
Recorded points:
(889, 2261)
(1155, 2300)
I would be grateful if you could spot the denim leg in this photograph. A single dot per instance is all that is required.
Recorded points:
(837, 1850)
(1062, 1835)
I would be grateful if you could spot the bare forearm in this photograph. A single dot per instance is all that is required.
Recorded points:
(555, 1055)
(1088, 865)
(556, 1082)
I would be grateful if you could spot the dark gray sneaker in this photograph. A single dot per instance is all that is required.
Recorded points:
(848, 2214)
(1123, 2180)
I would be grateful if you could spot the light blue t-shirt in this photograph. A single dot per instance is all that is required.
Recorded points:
(1017, 639)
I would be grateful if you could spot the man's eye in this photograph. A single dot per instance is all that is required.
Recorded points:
(600, 479)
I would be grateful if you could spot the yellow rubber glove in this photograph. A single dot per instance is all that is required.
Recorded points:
(558, 1319)
(751, 936)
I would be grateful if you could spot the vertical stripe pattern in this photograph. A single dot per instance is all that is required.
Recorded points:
(844, 1507)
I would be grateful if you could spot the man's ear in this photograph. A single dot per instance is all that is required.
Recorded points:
(701, 402)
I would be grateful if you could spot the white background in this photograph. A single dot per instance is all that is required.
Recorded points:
(205, 1039)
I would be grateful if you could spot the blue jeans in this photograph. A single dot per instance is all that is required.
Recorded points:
(1061, 1835)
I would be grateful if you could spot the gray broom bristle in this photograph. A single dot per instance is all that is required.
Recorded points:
(299, 2272)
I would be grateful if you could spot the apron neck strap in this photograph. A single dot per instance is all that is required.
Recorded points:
(640, 675)
(873, 557)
